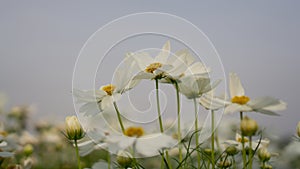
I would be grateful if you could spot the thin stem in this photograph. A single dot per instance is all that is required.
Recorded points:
(234, 162)
(212, 139)
(77, 154)
(108, 160)
(178, 121)
(160, 119)
(196, 134)
(243, 145)
(158, 107)
(119, 117)
(250, 153)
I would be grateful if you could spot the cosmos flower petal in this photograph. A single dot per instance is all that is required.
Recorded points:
(278, 107)
(90, 108)
(88, 95)
(233, 108)
(235, 85)
(196, 68)
(263, 102)
(142, 59)
(163, 55)
(151, 145)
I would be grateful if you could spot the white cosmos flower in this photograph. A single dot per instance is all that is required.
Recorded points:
(145, 145)
(238, 142)
(194, 86)
(96, 101)
(242, 103)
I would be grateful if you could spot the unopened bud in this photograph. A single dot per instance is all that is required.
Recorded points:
(28, 149)
(266, 166)
(264, 155)
(124, 159)
(73, 128)
(231, 150)
(224, 164)
(248, 126)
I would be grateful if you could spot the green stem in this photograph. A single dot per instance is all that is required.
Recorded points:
(119, 117)
(234, 162)
(250, 153)
(160, 119)
(243, 145)
(178, 122)
(77, 154)
(158, 107)
(212, 139)
(196, 134)
(108, 160)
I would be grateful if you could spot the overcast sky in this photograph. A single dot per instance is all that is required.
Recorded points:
(40, 41)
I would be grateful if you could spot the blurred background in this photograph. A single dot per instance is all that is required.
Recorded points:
(40, 42)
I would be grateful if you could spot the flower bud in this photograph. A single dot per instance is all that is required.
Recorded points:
(28, 149)
(264, 155)
(267, 166)
(231, 150)
(224, 164)
(248, 126)
(73, 128)
(124, 159)
(298, 129)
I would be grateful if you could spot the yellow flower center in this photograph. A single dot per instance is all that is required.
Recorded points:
(240, 140)
(240, 99)
(152, 67)
(109, 89)
(134, 132)
(3, 133)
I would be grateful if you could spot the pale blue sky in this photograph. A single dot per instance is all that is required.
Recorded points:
(40, 41)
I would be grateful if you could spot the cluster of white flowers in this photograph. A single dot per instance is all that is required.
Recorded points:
(190, 78)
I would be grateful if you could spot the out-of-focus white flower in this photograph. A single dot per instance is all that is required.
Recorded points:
(27, 138)
(74, 130)
(242, 103)
(194, 87)
(96, 101)
(145, 145)
(238, 142)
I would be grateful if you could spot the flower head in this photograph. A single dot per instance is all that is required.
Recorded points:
(134, 132)
(239, 102)
(73, 128)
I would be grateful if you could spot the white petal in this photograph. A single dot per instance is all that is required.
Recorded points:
(211, 102)
(144, 75)
(278, 107)
(91, 108)
(196, 68)
(263, 102)
(163, 55)
(106, 102)
(142, 59)
(152, 144)
(235, 85)
(234, 108)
